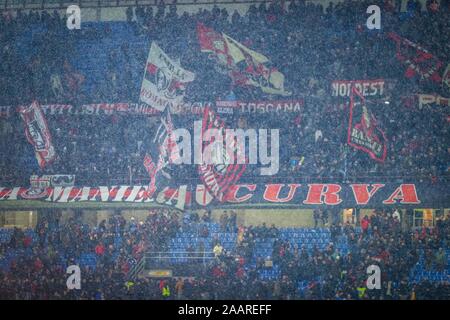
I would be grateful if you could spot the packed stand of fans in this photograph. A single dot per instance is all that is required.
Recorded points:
(311, 45)
(116, 244)
(37, 271)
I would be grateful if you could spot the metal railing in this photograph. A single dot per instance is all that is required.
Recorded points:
(168, 257)
(63, 4)
(165, 258)
(92, 4)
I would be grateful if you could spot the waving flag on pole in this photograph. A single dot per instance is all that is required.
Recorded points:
(363, 131)
(162, 88)
(164, 80)
(38, 134)
(245, 66)
(418, 59)
(219, 178)
(163, 152)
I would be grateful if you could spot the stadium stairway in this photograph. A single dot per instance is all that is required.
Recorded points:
(193, 239)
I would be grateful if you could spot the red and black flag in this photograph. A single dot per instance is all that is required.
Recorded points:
(219, 176)
(245, 66)
(418, 60)
(363, 130)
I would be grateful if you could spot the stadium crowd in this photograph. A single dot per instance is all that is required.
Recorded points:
(304, 41)
(38, 270)
(312, 46)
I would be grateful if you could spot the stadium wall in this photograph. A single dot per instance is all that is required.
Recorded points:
(21, 219)
(116, 10)
(281, 218)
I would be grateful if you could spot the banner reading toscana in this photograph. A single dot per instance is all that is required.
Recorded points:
(143, 109)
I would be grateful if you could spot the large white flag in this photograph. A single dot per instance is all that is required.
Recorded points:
(164, 80)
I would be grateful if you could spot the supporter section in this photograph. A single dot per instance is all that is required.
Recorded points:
(135, 253)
